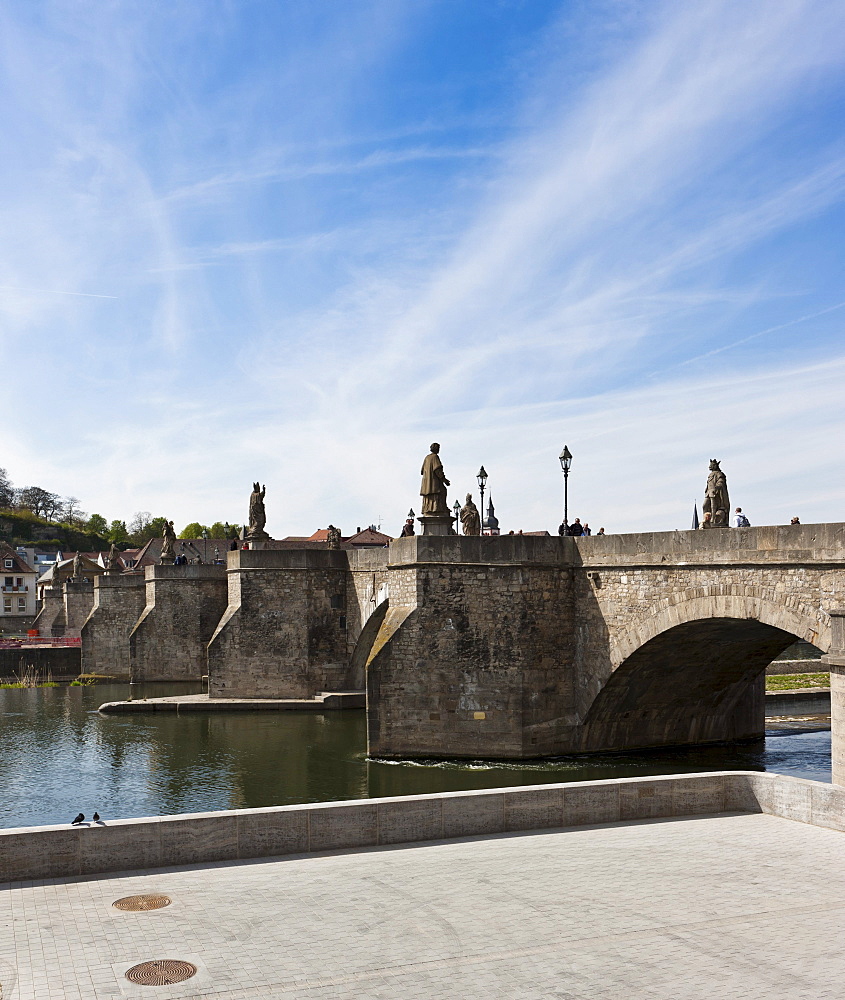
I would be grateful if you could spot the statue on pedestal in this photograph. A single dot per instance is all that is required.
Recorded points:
(77, 567)
(716, 501)
(333, 537)
(434, 483)
(113, 561)
(168, 555)
(257, 515)
(470, 518)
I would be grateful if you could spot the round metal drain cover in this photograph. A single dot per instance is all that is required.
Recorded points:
(162, 972)
(147, 901)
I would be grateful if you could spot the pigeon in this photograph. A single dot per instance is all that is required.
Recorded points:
(78, 820)
(96, 817)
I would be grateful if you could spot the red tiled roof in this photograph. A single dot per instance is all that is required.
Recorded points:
(21, 565)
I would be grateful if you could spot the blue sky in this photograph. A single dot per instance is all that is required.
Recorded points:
(298, 241)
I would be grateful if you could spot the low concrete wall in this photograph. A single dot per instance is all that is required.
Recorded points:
(796, 667)
(801, 701)
(61, 661)
(120, 845)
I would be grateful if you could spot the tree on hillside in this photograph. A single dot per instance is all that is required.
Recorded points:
(193, 530)
(221, 530)
(71, 512)
(144, 526)
(7, 491)
(98, 525)
(41, 502)
(117, 532)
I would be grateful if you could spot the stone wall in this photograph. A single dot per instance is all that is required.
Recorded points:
(522, 646)
(283, 634)
(126, 844)
(835, 663)
(51, 618)
(480, 661)
(118, 602)
(59, 661)
(78, 601)
(184, 605)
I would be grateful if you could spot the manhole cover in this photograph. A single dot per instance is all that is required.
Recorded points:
(147, 901)
(162, 972)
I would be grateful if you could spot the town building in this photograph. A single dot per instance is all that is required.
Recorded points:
(17, 590)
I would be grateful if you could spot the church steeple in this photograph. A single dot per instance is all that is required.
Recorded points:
(490, 525)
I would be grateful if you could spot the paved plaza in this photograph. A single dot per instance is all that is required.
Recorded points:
(735, 906)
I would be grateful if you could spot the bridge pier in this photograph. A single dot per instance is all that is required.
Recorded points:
(835, 661)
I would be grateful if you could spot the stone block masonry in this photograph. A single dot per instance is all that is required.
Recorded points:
(184, 605)
(284, 631)
(526, 646)
(118, 601)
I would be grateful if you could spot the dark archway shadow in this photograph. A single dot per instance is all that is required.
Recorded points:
(701, 681)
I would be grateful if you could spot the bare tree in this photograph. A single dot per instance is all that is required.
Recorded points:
(7, 491)
(41, 502)
(71, 512)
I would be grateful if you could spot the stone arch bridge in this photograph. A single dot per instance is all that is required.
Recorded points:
(509, 647)
(525, 646)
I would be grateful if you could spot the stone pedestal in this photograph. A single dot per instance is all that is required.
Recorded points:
(835, 662)
(436, 524)
(257, 539)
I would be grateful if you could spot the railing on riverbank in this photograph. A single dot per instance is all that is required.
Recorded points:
(37, 641)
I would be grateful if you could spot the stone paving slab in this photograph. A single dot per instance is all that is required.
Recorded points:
(712, 907)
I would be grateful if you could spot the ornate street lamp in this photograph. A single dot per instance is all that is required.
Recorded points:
(457, 510)
(565, 464)
(482, 481)
(411, 514)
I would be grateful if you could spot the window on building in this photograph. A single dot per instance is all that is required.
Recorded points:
(337, 602)
(19, 581)
(9, 564)
(21, 604)
(8, 581)
(7, 605)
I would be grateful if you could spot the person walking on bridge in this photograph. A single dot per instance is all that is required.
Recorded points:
(740, 520)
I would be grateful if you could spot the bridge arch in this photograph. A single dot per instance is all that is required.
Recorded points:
(692, 672)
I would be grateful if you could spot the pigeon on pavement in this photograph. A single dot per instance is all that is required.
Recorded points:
(78, 820)
(96, 817)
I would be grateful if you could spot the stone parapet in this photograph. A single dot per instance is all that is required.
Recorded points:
(122, 845)
(184, 605)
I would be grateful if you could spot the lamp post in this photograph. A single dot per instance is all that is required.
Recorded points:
(411, 514)
(565, 464)
(457, 510)
(482, 481)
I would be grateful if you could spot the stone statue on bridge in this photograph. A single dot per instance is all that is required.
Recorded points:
(333, 537)
(716, 501)
(113, 561)
(470, 518)
(257, 515)
(434, 483)
(168, 555)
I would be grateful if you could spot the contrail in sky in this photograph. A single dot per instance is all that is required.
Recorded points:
(56, 291)
(761, 333)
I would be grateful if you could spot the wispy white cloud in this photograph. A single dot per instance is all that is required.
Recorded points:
(308, 292)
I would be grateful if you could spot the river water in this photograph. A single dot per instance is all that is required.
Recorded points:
(59, 756)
